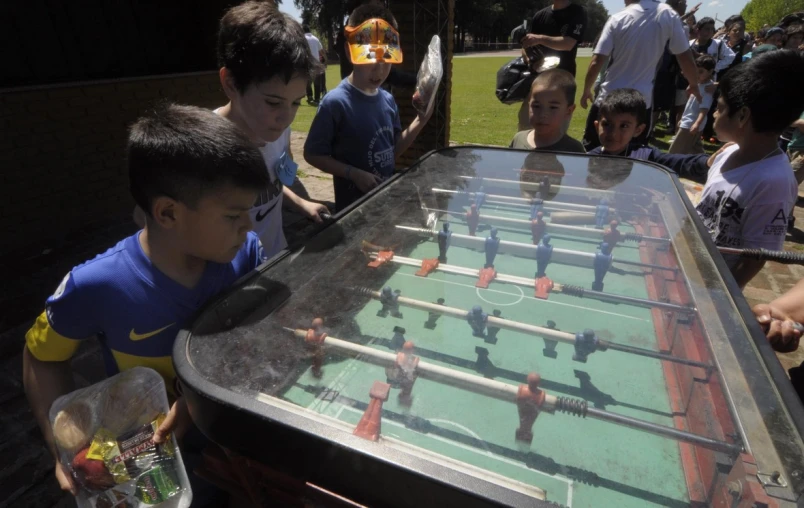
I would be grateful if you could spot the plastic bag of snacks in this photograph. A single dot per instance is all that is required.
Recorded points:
(104, 435)
(429, 77)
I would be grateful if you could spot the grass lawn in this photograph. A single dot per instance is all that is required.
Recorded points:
(477, 115)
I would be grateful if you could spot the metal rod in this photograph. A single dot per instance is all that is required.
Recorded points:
(539, 331)
(661, 430)
(585, 259)
(583, 191)
(550, 227)
(509, 393)
(558, 287)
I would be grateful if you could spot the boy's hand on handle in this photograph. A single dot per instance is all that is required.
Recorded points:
(64, 478)
(586, 98)
(364, 180)
(778, 328)
(314, 210)
(177, 422)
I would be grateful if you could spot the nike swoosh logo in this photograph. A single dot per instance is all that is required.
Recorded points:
(260, 216)
(142, 336)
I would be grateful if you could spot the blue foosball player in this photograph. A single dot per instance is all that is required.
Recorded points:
(477, 320)
(444, 239)
(585, 344)
(480, 197)
(544, 251)
(398, 340)
(602, 213)
(491, 332)
(492, 247)
(389, 299)
(602, 263)
(535, 207)
(544, 187)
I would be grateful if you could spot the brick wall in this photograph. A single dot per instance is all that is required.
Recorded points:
(61, 154)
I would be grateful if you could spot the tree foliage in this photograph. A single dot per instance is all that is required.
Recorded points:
(758, 13)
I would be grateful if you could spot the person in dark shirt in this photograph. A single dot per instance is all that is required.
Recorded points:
(557, 29)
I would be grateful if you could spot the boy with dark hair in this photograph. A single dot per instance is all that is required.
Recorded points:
(750, 190)
(706, 45)
(619, 128)
(265, 68)
(195, 175)
(551, 104)
(693, 120)
(356, 135)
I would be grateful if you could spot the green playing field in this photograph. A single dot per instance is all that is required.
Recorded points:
(578, 462)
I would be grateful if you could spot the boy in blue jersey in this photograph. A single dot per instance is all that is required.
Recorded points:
(619, 124)
(356, 135)
(196, 176)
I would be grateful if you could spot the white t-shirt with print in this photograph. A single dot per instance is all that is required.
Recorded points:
(266, 214)
(634, 40)
(747, 207)
(694, 107)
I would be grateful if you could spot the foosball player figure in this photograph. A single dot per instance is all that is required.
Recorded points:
(529, 401)
(602, 213)
(314, 341)
(602, 263)
(444, 239)
(544, 187)
(612, 235)
(544, 251)
(536, 206)
(432, 317)
(406, 363)
(491, 331)
(492, 247)
(550, 344)
(389, 299)
(537, 228)
(369, 425)
(477, 320)
(398, 340)
(472, 219)
(480, 197)
(586, 343)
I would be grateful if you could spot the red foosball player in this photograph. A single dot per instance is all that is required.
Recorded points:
(538, 227)
(529, 400)
(428, 266)
(369, 425)
(472, 219)
(543, 287)
(314, 340)
(612, 235)
(382, 257)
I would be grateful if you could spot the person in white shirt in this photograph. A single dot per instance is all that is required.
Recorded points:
(750, 190)
(319, 83)
(632, 43)
(693, 121)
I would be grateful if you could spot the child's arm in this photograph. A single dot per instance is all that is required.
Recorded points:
(695, 166)
(696, 125)
(595, 66)
(44, 382)
(364, 180)
(407, 137)
(310, 209)
(777, 316)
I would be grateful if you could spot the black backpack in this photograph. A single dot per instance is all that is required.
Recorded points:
(513, 81)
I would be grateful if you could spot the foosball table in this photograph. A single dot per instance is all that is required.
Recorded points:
(499, 327)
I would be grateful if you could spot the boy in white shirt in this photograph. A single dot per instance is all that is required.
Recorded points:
(750, 189)
(693, 121)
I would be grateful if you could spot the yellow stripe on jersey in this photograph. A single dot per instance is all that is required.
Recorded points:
(46, 344)
(162, 364)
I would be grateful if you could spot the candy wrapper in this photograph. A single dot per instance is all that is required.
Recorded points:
(429, 77)
(104, 434)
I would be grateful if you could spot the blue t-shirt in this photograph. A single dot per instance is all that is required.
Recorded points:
(134, 309)
(356, 129)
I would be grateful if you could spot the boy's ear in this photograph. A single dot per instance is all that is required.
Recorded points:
(164, 211)
(744, 116)
(597, 125)
(639, 130)
(570, 109)
(228, 83)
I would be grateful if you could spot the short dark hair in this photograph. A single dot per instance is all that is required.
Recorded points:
(731, 20)
(185, 152)
(794, 29)
(306, 28)
(769, 85)
(557, 79)
(705, 61)
(704, 21)
(623, 101)
(256, 42)
(369, 11)
(675, 4)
